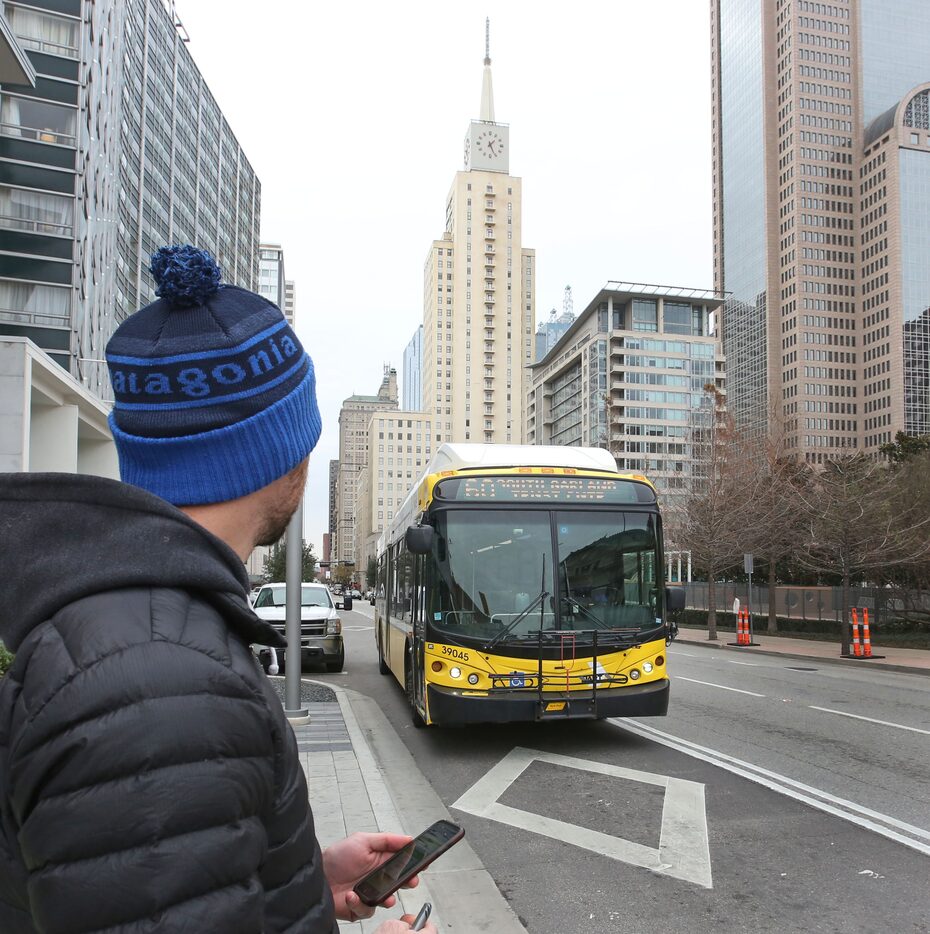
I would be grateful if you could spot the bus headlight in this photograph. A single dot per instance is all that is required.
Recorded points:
(472, 678)
(634, 674)
(455, 672)
(647, 667)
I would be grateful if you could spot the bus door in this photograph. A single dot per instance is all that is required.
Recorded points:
(418, 618)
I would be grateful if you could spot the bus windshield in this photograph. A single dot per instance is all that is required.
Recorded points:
(496, 577)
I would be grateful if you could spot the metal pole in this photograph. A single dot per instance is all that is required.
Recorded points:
(749, 607)
(292, 709)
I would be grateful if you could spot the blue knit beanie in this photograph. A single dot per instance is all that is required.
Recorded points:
(214, 394)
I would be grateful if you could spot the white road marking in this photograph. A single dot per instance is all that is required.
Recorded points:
(358, 628)
(722, 687)
(855, 716)
(678, 654)
(747, 664)
(683, 853)
(864, 817)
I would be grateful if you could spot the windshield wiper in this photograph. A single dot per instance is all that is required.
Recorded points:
(579, 606)
(538, 602)
(517, 619)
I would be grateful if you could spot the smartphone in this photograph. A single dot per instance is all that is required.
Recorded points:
(407, 862)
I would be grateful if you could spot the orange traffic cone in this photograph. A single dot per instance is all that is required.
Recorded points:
(856, 647)
(742, 637)
(866, 640)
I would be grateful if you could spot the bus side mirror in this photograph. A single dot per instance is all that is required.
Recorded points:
(674, 598)
(419, 539)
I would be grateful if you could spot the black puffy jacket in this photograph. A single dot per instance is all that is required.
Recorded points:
(149, 781)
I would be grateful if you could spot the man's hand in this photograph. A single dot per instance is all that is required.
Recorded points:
(402, 924)
(347, 861)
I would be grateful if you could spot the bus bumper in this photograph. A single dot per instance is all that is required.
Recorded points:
(450, 707)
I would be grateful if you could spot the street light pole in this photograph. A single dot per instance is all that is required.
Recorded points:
(293, 574)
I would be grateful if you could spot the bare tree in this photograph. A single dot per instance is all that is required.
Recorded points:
(709, 519)
(860, 523)
(775, 526)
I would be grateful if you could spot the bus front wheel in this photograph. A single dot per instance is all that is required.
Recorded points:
(418, 721)
(382, 664)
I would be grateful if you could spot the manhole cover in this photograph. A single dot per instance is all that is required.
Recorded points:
(793, 668)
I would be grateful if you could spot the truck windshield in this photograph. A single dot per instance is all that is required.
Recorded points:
(495, 577)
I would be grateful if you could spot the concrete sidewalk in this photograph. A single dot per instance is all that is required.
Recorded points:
(361, 777)
(894, 659)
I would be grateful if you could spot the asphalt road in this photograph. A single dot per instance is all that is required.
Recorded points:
(768, 800)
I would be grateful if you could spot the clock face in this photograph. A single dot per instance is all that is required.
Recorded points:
(490, 144)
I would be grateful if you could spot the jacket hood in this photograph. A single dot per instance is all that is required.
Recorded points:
(68, 536)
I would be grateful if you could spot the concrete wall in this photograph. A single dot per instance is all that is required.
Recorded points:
(48, 420)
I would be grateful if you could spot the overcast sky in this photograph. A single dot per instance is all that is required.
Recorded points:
(354, 116)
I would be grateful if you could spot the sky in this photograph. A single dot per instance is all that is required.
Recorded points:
(354, 115)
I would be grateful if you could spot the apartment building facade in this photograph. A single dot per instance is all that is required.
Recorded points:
(631, 375)
(354, 417)
(117, 149)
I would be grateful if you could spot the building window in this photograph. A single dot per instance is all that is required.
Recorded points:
(676, 318)
(33, 119)
(35, 211)
(645, 315)
(44, 32)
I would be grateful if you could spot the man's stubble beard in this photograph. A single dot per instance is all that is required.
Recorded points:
(283, 505)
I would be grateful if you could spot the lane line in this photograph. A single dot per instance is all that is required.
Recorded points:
(747, 664)
(821, 800)
(722, 687)
(678, 654)
(855, 716)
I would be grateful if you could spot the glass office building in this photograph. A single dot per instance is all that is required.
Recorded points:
(118, 149)
(820, 207)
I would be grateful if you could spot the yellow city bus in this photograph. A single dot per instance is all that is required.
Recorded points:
(525, 583)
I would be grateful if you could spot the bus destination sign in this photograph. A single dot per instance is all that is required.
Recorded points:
(533, 488)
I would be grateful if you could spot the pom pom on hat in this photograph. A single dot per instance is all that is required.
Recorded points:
(185, 276)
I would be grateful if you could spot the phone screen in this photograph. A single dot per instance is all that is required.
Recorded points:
(405, 863)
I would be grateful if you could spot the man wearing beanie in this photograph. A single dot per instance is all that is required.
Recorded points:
(149, 781)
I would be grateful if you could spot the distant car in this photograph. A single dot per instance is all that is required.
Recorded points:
(320, 626)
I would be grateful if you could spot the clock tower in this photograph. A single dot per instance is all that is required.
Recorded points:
(479, 285)
(487, 145)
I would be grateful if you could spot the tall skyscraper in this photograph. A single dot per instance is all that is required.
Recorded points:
(822, 218)
(353, 457)
(412, 388)
(479, 294)
(118, 149)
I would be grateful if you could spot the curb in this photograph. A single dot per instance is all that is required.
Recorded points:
(827, 660)
(465, 897)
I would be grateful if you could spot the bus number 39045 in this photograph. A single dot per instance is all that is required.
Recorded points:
(455, 653)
